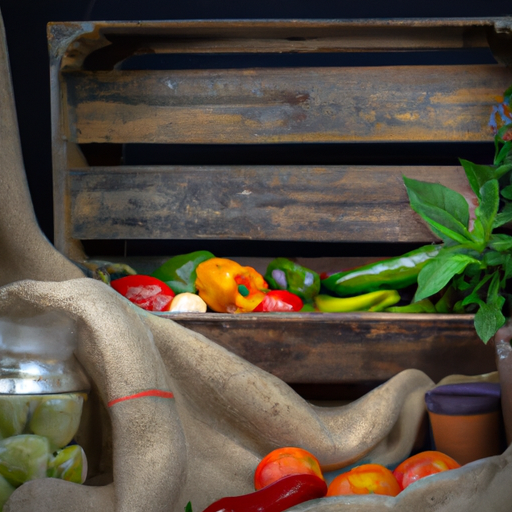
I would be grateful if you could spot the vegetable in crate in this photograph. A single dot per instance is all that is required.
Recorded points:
(284, 274)
(179, 272)
(279, 301)
(389, 274)
(146, 292)
(227, 287)
(373, 301)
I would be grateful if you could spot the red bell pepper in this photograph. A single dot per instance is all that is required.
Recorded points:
(276, 497)
(279, 301)
(145, 291)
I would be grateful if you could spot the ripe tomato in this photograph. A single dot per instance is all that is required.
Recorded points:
(421, 465)
(365, 479)
(147, 292)
(283, 462)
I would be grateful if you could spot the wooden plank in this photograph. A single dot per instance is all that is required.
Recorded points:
(74, 41)
(350, 347)
(328, 204)
(354, 104)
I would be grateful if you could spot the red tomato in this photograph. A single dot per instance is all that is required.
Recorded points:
(365, 479)
(279, 301)
(283, 462)
(147, 292)
(421, 465)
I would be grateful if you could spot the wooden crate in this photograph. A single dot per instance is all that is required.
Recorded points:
(104, 100)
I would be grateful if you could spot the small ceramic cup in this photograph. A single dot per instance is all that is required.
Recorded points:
(466, 420)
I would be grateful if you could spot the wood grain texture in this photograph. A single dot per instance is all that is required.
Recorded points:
(335, 203)
(403, 103)
(74, 41)
(348, 347)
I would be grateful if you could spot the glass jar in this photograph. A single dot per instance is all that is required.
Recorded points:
(42, 391)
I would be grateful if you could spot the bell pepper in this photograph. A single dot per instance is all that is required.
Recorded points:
(390, 274)
(374, 301)
(146, 292)
(276, 497)
(179, 272)
(227, 287)
(279, 301)
(284, 274)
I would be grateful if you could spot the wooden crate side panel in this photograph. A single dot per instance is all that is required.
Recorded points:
(352, 347)
(326, 204)
(374, 104)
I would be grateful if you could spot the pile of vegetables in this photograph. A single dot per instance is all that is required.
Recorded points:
(289, 476)
(466, 273)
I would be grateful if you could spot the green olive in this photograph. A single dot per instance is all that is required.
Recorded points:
(57, 417)
(68, 464)
(23, 458)
(13, 415)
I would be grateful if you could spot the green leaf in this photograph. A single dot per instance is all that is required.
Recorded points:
(494, 258)
(502, 153)
(488, 207)
(436, 274)
(504, 216)
(500, 242)
(507, 192)
(432, 198)
(188, 507)
(488, 319)
(493, 294)
(474, 297)
(477, 175)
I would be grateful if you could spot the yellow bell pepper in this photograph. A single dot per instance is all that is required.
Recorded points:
(227, 287)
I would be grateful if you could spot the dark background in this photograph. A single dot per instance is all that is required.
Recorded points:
(25, 22)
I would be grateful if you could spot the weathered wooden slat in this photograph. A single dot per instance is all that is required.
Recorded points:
(349, 347)
(74, 41)
(334, 203)
(379, 104)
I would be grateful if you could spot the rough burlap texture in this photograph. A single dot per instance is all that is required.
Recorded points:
(206, 442)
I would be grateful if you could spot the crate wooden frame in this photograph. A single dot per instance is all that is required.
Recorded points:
(94, 102)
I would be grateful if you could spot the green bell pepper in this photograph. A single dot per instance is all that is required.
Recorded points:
(392, 273)
(179, 272)
(284, 274)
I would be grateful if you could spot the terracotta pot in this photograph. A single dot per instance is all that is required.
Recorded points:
(466, 420)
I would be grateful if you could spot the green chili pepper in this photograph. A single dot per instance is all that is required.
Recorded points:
(374, 301)
(393, 273)
(179, 272)
(284, 274)
(422, 306)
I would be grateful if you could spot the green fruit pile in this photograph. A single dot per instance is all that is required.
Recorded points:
(35, 432)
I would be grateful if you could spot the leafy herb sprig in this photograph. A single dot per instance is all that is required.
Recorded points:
(474, 262)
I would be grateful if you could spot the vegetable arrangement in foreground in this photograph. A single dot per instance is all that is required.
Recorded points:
(289, 476)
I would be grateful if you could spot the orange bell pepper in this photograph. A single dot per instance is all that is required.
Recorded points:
(227, 287)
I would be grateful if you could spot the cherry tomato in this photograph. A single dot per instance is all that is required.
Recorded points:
(145, 291)
(279, 301)
(421, 465)
(365, 479)
(283, 462)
